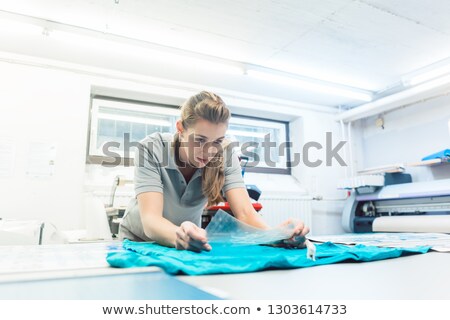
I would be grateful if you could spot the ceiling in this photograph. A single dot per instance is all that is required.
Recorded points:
(366, 44)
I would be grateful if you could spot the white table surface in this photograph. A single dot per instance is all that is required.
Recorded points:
(420, 276)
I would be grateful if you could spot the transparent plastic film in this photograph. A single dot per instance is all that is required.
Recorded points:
(227, 229)
(224, 228)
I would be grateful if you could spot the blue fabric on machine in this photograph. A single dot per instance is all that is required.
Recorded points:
(438, 155)
(224, 258)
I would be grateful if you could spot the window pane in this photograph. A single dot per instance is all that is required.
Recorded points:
(137, 131)
(122, 128)
(106, 131)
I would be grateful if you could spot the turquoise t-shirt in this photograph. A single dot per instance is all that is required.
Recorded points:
(225, 258)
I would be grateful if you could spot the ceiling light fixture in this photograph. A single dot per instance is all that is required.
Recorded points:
(433, 71)
(20, 27)
(93, 39)
(131, 47)
(312, 85)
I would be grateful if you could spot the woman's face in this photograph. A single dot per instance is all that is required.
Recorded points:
(200, 143)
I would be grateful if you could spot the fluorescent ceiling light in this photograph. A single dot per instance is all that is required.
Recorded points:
(130, 49)
(434, 83)
(20, 27)
(430, 72)
(429, 75)
(95, 39)
(313, 86)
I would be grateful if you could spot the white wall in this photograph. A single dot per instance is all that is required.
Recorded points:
(321, 180)
(39, 105)
(409, 135)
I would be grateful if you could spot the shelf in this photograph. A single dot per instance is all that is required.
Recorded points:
(431, 162)
(392, 168)
(400, 167)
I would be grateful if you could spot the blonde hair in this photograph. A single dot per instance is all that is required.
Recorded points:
(208, 106)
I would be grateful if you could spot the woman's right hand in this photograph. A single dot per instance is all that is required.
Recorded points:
(191, 237)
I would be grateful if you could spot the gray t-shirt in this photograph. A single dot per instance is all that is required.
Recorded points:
(156, 170)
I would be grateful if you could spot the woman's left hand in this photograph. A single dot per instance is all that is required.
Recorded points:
(297, 238)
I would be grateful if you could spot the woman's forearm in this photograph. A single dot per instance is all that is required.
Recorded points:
(160, 230)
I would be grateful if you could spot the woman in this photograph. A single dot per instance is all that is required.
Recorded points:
(176, 175)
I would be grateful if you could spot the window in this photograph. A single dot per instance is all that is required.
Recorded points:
(114, 124)
(262, 141)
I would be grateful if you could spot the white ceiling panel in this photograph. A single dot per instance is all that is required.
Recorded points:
(433, 14)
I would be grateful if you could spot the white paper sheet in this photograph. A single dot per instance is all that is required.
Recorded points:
(438, 241)
(41, 159)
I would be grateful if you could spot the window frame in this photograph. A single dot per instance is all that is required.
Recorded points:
(133, 105)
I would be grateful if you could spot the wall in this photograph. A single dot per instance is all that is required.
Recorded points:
(321, 180)
(39, 105)
(409, 134)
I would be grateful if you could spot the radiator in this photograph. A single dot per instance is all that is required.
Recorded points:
(276, 210)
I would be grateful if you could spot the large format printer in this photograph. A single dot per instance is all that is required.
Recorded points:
(399, 206)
